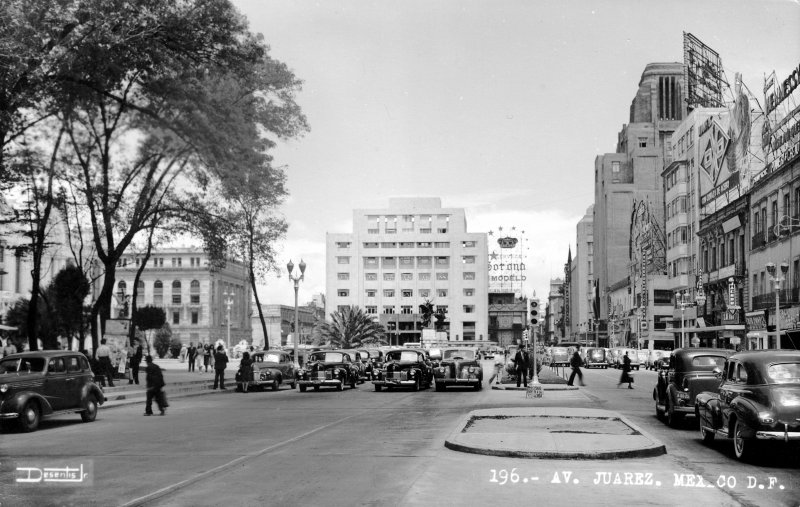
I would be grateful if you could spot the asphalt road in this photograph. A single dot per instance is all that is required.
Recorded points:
(361, 447)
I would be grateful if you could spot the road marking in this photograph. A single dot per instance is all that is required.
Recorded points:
(221, 468)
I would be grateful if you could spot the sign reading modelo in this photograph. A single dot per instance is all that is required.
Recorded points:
(506, 268)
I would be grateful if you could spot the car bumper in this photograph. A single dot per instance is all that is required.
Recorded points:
(778, 435)
(391, 382)
(593, 364)
(9, 415)
(323, 383)
(457, 381)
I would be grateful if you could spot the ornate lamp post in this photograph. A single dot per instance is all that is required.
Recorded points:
(228, 302)
(296, 279)
(684, 300)
(777, 280)
(122, 301)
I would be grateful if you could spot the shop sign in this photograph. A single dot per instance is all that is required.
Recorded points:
(756, 321)
(789, 318)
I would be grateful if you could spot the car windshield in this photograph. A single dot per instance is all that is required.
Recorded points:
(598, 353)
(268, 358)
(406, 356)
(462, 353)
(22, 365)
(327, 357)
(708, 362)
(784, 373)
(559, 350)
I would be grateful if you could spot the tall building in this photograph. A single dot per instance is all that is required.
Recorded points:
(198, 302)
(555, 311)
(279, 320)
(398, 257)
(633, 173)
(582, 277)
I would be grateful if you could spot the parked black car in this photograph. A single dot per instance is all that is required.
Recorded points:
(689, 372)
(329, 368)
(273, 368)
(458, 367)
(758, 400)
(47, 383)
(405, 368)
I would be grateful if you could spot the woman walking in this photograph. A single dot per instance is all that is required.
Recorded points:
(626, 372)
(246, 371)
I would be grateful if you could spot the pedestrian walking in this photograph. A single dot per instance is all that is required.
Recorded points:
(576, 362)
(220, 362)
(207, 355)
(136, 361)
(521, 366)
(155, 386)
(626, 372)
(103, 355)
(183, 353)
(245, 371)
(190, 354)
(499, 364)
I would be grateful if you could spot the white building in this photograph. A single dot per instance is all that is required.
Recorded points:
(398, 257)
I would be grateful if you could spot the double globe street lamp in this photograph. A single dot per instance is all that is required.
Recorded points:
(684, 300)
(777, 281)
(296, 279)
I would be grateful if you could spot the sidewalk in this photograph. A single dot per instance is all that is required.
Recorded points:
(548, 377)
(179, 383)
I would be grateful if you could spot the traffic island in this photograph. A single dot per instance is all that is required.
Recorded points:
(552, 433)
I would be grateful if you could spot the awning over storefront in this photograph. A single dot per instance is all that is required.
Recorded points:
(728, 327)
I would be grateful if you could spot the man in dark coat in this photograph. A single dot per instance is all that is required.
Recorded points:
(155, 384)
(626, 372)
(576, 362)
(191, 354)
(220, 362)
(136, 360)
(521, 366)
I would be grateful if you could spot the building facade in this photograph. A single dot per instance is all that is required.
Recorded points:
(279, 320)
(199, 303)
(582, 278)
(398, 257)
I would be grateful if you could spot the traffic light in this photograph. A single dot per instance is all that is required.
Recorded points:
(525, 336)
(534, 313)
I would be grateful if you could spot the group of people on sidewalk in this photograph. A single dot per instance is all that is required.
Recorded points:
(202, 356)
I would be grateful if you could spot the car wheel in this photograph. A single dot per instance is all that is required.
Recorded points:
(294, 384)
(705, 434)
(89, 412)
(743, 447)
(674, 419)
(316, 388)
(30, 416)
(302, 388)
(479, 386)
(439, 386)
(377, 387)
(275, 384)
(659, 412)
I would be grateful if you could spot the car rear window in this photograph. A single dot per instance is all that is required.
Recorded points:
(784, 373)
(22, 365)
(464, 354)
(73, 364)
(708, 362)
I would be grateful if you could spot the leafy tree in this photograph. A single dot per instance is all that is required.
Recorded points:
(149, 318)
(175, 346)
(68, 291)
(350, 327)
(46, 327)
(162, 340)
(426, 312)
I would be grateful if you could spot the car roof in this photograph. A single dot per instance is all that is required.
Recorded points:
(271, 351)
(766, 356)
(45, 353)
(697, 351)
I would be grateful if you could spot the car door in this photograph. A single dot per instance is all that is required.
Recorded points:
(55, 384)
(285, 367)
(727, 391)
(75, 380)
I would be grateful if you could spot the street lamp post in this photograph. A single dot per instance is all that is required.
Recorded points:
(777, 280)
(684, 300)
(228, 303)
(296, 279)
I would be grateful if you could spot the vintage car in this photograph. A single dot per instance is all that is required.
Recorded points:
(458, 367)
(366, 361)
(376, 357)
(435, 356)
(359, 362)
(595, 358)
(328, 368)
(641, 356)
(559, 356)
(758, 399)
(689, 373)
(47, 383)
(273, 368)
(405, 368)
(633, 355)
(657, 359)
(611, 356)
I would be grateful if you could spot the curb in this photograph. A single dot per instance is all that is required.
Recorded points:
(457, 442)
(545, 387)
(122, 400)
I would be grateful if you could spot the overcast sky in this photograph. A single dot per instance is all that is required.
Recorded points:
(498, 107)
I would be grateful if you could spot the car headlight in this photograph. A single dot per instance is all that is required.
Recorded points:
(766, 418)
(411, 373)
(3, 388)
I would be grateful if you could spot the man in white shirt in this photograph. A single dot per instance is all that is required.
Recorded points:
(103, 355)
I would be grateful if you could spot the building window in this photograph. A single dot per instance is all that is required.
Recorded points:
(140, 293)
(469, 309)
(407, 262)
(442, 230)
(388, 293)
(372, 310)
(469, 244)
(406, 276)
(407, 293)
(343, 276)
(388, 262)
(425, 230)
(158, 293)
(424, 262)
(424, 293)
(371, 244)
(343, 293)
(388, 310)
(176, 292)
(443, 261)
(642, 142)
(370, 276)
(441, 276)
(406, 310)
(195, 317)
(176, 317)
(469, 275)
(424, 276)
(442, 293)
(373, 231)
(371, 293)
(468, 259)
(342, 244)
(343, 260)
(423, 244)
(441, 244)
(370, 262)
(615, 167)
(388, 277)
(389, 245)
(406, 244)
(469, 292)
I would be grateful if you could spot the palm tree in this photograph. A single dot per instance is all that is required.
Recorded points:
(349, 328)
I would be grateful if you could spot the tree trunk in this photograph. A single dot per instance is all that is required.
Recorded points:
(258, 305)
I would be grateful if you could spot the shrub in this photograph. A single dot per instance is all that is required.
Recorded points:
(175, 347)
